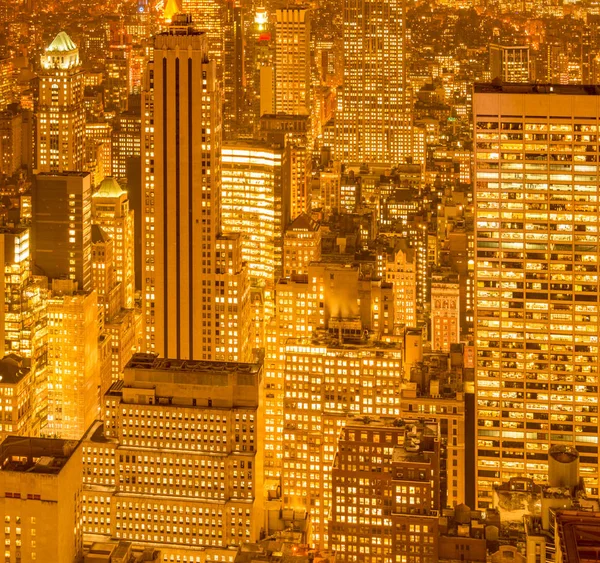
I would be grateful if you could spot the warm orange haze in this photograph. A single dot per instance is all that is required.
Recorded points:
(300, 282)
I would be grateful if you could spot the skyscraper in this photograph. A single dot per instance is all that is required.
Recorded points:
(73, 376)
(252, 183)
(386, 479)
(110, 210)
(509, 63)
(60, 111)
(195, 283)
(62, 226)
(216, 499)
(374, 125)
(536, 279)
(292, 61)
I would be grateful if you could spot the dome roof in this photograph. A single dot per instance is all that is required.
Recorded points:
(109, 187)
(62, 43)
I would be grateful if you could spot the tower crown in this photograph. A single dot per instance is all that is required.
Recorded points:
(62, 53)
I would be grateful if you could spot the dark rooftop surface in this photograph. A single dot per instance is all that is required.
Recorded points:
(35, 455)
(557, 89)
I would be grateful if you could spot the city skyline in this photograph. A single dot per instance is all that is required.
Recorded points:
(311, 282)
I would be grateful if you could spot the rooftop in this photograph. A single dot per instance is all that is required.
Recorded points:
(556, 89)
(35, 455)
(13, 369)
(109, 187)
(153, 362)
(303, 223)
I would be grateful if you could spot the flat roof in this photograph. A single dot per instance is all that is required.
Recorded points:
(35, 455)
(532, 88)
(153, 362)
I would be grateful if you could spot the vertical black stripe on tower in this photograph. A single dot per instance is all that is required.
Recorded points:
(190, 209)
(165, 212)
(177, 209)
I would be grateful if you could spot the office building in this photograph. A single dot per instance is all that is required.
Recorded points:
(510, 63)
(98, 150)
(292, 132)
(177, 463)
(7, 82)
(111, 212)
(60, 112)
(234, 70)
(17, 393)
(73, 367)
(301, 245)
(195, 285)
(386, 491)
(292, 61)
(330, 348)
(401, 272)
(445, 310)
(117, 72)
(536, 279)
(62, 226)
(41, 501)
(330, 185)
(117, 323)
(253, 203)
(11, 141)
(23, 320)
(125, 142)
(374, 124)
(103, 275)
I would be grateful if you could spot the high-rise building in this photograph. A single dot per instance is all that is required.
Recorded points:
(292, 132)
(60, 111)
(193, 481)
(292, 61)
(41, 504)
(73, 368)
(98, 150)
(301, 245)
(341, 375)
(211, 18)
(386, 491)
(126, 142)
(17, 392)
(110, 210)
(23, 319)
(401, 272)
(344, 367)
(103, 275)
(195, 291)
(7, 82)
(62, 226)
(253, 203)
(536, 279)
(445, 310)
(11, 141)
(260, 63)
(117, 69)
(374, 124)
(509, 63)
(234, 71)
(117, 324)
